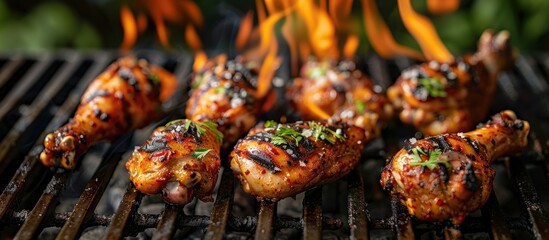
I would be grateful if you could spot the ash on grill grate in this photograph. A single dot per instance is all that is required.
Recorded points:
(39, 93)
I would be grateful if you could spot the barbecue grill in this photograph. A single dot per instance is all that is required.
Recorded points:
(38, 93)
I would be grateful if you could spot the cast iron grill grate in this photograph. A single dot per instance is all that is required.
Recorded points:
(38, 93)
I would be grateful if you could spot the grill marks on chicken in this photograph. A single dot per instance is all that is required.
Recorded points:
(223, 102)
(181, 160)
(340, 92)
(440, 98)
(448, 176)
(279, 161)
(225, 94)
(127, 96)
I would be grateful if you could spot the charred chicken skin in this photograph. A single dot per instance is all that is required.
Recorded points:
(446, 177)
(276, 161)
(225, 94)
(181, 160)
(440, 98)
(340, 92)
(127, 96)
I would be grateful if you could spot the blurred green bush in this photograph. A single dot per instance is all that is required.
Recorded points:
(48, 26)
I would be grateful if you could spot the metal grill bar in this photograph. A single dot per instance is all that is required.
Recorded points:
(34, 110)
(266, 220)
(452, 233)
(358, 213)
(43, 208)
(499, 228)
(144, 221)
(126, 211)
(85, 206)
(222, 207)
(401, 220)
(167, 226)
(532, 76)
(9, 68)
(22, 177)
(529, 198)
(30, 79)
(312, 214)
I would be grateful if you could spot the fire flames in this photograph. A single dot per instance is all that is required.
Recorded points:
(442, 6)
(381, 38)
(324, 29)
(424, 32)
(183, 13)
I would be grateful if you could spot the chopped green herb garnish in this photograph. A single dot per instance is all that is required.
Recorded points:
(277, 140)
(417, 151)
(318, 71)
(200, 153)
(270, 124)
(154, 78)
(174, 122)
(337, 135)
(200, 127)
(288, 133)
(187, 125)
(197, 83)
(219, 89)
(434, 158)
(360, 106)
(322, 132)
(434, 86)
(211, 126)
(318, 131)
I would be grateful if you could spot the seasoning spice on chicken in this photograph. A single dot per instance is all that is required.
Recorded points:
(448, 97)
(339, 91)
(446, 177)
(225, 94)
(127, 96)
(180, 159)
(277, 161)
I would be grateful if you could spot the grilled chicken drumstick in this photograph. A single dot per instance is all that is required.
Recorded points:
(281, 160)
(225, 94)
(440, 98)
(127, 96)
(340, 92)
(448, 176)
(180, 159)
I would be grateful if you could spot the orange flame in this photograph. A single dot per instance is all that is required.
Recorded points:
(267, 71)
(200, 59)
(320, 29)
(380, 37)
(245, 31)
(350, 46)
(339, 11)
(268, 45)
(142, 23)
(177, 12)
(442, 6)
(424, 32)
(308, 28)
(192, 38)
(130, 28)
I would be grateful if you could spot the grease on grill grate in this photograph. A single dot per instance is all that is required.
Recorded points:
(39, 93)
